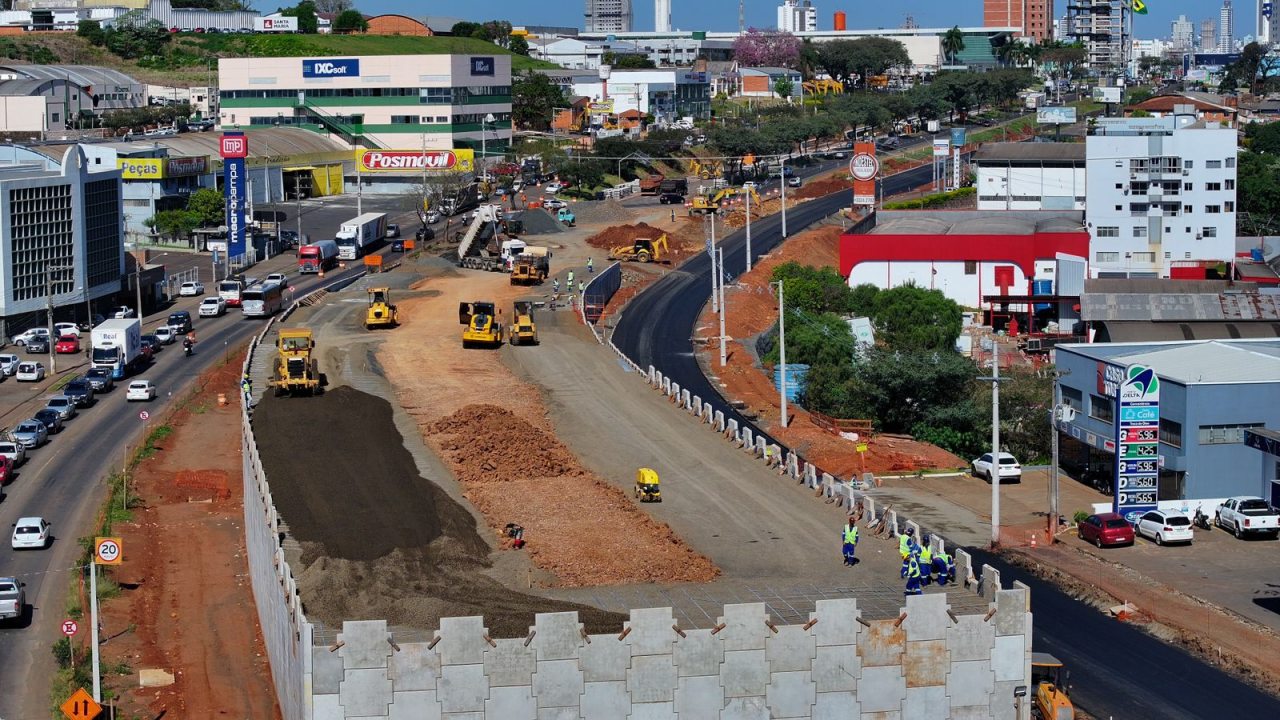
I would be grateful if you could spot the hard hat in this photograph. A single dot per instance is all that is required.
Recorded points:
(911, 531)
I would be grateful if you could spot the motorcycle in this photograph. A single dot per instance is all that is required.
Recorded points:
(188, 349)
(1202, 520)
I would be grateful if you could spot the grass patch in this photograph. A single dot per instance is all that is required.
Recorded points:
(1084, 107)
(931, 201)
(1022, 124)
(149, 448)
(62, 381)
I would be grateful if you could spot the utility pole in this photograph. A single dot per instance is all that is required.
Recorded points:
(782, 182)
(711, 249)
(724, 358)
(48, 306)
(994, 472)
(297, 198)
(359, 190)
(782, 353)
(93, 628)
(137, 276)
(1059, 413)
(748, 194)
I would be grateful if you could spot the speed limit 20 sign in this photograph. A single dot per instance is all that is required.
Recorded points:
(108, 551)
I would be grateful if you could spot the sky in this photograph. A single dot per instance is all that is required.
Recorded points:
(723, 14)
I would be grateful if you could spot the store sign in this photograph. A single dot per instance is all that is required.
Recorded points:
(330, 67)
(864, 167)
(233, 145)
(482, 66)
(141, 168)
(234, 177)
(600, 107)
(185, 166)
(941, 147)
(1137, 441)
(415, 161)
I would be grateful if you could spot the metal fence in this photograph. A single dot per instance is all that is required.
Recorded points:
(597, 294)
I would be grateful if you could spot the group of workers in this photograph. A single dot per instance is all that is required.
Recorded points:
(582, 285)
(921, 565)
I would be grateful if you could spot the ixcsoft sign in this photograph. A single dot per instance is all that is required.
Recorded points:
(414, 161)
(482, 66)
(331, 67)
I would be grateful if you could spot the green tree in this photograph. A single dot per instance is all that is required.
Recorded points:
(627, 62)
(174, 224)
(464, 29)
(305, 11)
(1138, 95)
(208, 207)
(1265, 138)
(1024, 414)
(862, 57)
(860, 110)
(814, 340)
(534, 99)
(783, 87)
(909, 317)
(349, 21)
(135, 36)
(1258, 189)
(90, 30)
(814, 290)
(898, 389)
(952, 44)
(519, 45)
(583, 175)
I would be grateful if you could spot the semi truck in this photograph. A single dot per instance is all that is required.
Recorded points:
(358, 235)
(468, 198)
(318, 256)
(117, 346)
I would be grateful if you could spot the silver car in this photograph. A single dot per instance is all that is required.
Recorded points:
(63, 405)
(30, 434)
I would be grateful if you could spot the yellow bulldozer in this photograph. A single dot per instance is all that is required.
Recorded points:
(1051, 683)
(642, 250)
(482, 322)
(381, 312)
(524, 331)
(647, 485)
(297, 372)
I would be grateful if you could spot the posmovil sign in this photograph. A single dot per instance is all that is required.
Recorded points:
(415, 161)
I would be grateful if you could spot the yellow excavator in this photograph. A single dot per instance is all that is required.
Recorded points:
(523, 330)
(483, 324)
(703, 204)
(648, 488)
(296, 370)
(1052, 684)
(381, 312)
(642, 250)
(706, 169)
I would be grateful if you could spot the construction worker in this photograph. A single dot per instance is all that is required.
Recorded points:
(925, 560)
(911, 571)
(582, 287)
(555, 285)
(904, 543)
(944, 567)
(590, 266)
(246, 385)
(850, 542)
(570, 285)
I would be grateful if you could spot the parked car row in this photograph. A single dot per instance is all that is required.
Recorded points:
(1243, 516)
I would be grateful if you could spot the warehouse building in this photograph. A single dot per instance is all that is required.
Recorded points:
(1030, 176)
(37, 99)
(382, 101)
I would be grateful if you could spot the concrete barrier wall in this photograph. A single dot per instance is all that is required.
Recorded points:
(927, 663)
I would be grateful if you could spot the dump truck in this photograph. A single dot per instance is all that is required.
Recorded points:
(650, 184)
(381, 312)
(641, 250)
(1051, 683)
(647, 485)
(482, 322)
(679, 186)
(532, 266)
(523, 330)
(297, 372)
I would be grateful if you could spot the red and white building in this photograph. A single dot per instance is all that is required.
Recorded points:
(967, 254)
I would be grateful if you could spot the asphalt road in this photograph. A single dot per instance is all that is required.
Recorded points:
(61, 481)
(1117, 670)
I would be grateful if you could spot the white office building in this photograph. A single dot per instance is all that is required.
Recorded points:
(1226, 28)
(662, 15)
(797, 16)
(1161, 191)
(1183, 34)
(608, 16)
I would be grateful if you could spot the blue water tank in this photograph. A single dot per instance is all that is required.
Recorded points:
(1255, 254)
(1041, 287)
(796, 373)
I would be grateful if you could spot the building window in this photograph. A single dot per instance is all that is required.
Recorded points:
(1139, 231)
(1189, 164)
(404, 119)
(1107, 257)
(1168, 256)
(1224, 434)
(1170, 433)
(1101, 408)
(1119, 208)
(1231, 162)
(1213, 164)
(1231, 184)
(1108, 231)
(970, 267)
(1144, 257)
(1119, 186)
(1186, 256)
(1213, 186)
(1213, 209)
(1186, 209)
(1186, 186)
(1209, 231)
(1229, 206)
(1073, 398)
(55, 118)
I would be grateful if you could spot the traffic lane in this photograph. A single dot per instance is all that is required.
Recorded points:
(1120, 671)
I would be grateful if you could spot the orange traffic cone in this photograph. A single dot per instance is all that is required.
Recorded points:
(1033, 539)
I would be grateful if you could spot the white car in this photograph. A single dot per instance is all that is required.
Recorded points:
(554, 204)
(123, 312)
(280, 279)
(553, 188)
(1010, 470)
(9, 364)
(14, 452)
(141, 390)
(212, 307)
(433, 217)
(191, 289)
(30, 533)
(1165, 526)
(165, 335)
(30, 372)
(793, 181)
(65, 328)
(22, 339)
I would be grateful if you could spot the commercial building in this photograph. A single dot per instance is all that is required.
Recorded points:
(1212, 394)
(608, 16)
(49, 98)
(1160, 190)
(969, 255)
(60, 238)
(1268, 21)
(666, 93)
(1205, 106)
(379, 101)
(1208, 38)
(797, 16)
(1226, 28)
(1034, 18)
(163, 12)
(1102, 27)
(763, 82)
(1030, 176)
(392, 24)
(1148, 310)
(585, 54)
(1183, 34)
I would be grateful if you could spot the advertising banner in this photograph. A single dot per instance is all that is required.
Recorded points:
(331, 67)
(1056, 115)
(941, 147)
(275, 24)
(160, 168)
(415, 161)
(864, 167)
(482, 66)
(235, 148)
(1137, 422)
(1107, 95)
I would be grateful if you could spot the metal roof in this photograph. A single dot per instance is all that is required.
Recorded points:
(82, 75)
(1155, 306)
(267, 142)
(1214, 361)
(21, 86)
(1123, 331)
(1021, 152)
(977, 222)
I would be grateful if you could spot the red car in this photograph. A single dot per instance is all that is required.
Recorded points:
(67, 344)
(1106, 529)
(6, 470)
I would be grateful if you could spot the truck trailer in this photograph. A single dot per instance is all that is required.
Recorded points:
(318, 256)
(358, 235)
(117, 346)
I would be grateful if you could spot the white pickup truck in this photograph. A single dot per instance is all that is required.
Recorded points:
(1247, 516)
(13, 599)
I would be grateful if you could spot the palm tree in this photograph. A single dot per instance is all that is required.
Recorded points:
(952, 44)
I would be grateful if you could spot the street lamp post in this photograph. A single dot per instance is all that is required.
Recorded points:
(782, 353)
(48, 302)
(993, 473)
(489, 119)
(782, 182)
(748, 194)
(1059, 413)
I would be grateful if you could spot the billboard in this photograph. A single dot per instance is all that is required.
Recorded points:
(161, 168)
(941, 147)
(1137, 423)
(864, 167)
(482, 66)
(331, 67)
(1108, 95)
(415, 161)
(1056, 115)
(235, 147)
(275, 24)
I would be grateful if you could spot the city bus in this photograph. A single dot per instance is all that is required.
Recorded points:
(231, 291)
(263, 300)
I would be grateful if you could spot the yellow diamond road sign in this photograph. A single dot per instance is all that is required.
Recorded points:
(81, 706)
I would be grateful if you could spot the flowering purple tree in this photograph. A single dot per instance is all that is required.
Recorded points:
(767, 48)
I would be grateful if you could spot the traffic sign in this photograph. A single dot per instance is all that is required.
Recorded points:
(144, 415)
(81, 706)
(864, 166)
(107, 551)
(69, 627)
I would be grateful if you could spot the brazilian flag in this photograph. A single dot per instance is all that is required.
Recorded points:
(1139, 7)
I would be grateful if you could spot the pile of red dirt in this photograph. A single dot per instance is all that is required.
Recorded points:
(819, 188)
(616, 235)
(489, 444)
